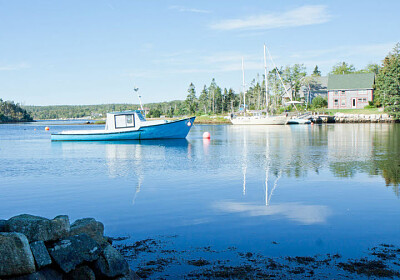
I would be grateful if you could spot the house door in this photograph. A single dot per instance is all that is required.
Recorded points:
(354, 103)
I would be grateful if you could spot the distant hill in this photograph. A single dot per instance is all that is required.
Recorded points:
(11, 112)
(100, 111)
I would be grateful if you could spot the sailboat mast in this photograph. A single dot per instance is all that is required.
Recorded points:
(244, 88)
(266, 81)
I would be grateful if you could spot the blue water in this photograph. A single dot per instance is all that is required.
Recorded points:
(310, 189)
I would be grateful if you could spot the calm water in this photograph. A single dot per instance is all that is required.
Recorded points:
(311, 189)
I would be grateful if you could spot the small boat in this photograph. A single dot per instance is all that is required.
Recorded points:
(130, 125)
(298, 121)
(260, 120)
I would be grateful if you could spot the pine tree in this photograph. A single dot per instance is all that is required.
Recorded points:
(316, 71)
(388, 83)
(191, 100)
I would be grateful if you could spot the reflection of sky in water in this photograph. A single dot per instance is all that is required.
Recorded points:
(310, 188)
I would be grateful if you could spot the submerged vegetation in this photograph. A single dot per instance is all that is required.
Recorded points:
(160, 259)
(11, 112)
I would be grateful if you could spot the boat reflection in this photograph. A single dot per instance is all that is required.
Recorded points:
(131, 158)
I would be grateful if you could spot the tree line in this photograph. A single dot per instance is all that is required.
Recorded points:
(282, 83)
(11, 112)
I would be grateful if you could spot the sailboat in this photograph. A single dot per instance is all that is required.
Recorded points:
(259, 118)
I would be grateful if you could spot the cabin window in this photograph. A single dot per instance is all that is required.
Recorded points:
(141, 118)
(122, 121)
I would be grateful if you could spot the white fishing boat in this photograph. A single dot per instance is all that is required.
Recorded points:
(259, 118)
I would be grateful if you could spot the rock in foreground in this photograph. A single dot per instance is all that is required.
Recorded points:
(15, 254)
(36, 248)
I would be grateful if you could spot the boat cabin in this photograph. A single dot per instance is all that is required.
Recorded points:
(125, 119)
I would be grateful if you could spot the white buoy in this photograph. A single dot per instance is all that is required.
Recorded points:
(206, 135)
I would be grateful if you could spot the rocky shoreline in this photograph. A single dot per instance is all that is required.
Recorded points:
(33, 247)
(363, 118)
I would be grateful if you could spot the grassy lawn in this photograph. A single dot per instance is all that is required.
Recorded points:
(211, 120)
(350, 111)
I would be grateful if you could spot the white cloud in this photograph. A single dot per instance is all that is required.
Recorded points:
(306, 15)
(14, 67)
(304, 214)
(189, 10)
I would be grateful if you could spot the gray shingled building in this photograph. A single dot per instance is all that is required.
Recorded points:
(350, 91)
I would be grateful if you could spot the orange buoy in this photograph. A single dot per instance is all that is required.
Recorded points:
(46, 128)
(206, 135)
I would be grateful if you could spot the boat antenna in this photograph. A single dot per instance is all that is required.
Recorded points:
(140, 98)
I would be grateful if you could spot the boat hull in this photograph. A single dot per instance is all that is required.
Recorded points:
(170, 130)
(270, 120)
(299, 121)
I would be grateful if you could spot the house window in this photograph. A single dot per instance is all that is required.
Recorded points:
(343, 102)
(342, 92)
(335, 92)
(336, 102)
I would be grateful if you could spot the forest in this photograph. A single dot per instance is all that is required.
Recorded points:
(11, 112)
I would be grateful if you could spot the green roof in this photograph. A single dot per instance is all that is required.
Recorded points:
(351, 81)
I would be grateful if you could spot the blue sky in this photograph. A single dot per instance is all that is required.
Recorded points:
(94, 52)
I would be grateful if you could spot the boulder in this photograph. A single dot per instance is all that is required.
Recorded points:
(39, 251)
(3, 225)
(15, 255)
(38, 228)
(43, 274)
(111, 264)
(81, 273)
(91, 227)
(74, 250)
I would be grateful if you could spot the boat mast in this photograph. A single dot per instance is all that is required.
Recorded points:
(140, 98)
(266, 81)
(244, 89)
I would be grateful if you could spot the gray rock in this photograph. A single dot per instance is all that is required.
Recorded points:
(91, 227)
(81, 273)
(111, 263)
(43, 274)
(15, 255)
(3, 226)
(39, 251)
(74, 250)
(38, 228)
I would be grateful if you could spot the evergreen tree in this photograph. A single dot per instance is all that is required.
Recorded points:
(388, 83)
(342, 68)
(204, 100)
(316, 71)
(191, 100)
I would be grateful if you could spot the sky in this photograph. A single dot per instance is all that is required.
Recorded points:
(96, 52)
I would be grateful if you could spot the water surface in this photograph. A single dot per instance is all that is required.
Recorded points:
(277, 190)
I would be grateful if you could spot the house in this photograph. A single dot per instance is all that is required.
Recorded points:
(350, 91)
(314, 86)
